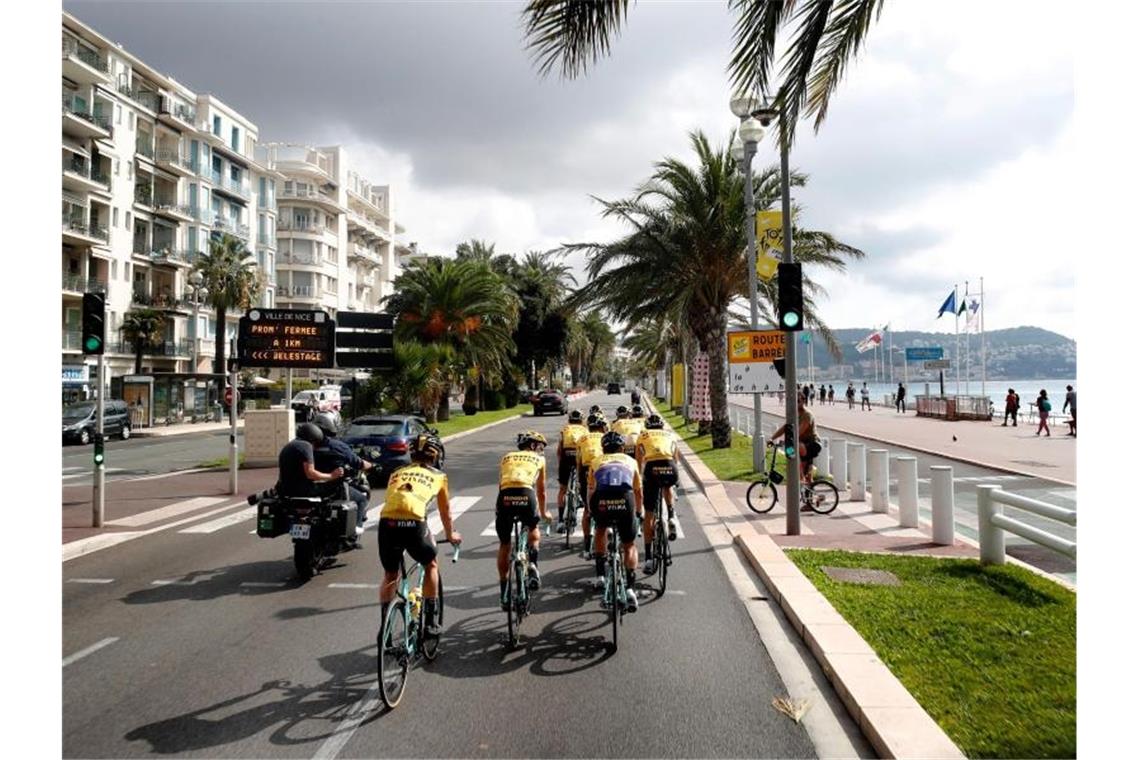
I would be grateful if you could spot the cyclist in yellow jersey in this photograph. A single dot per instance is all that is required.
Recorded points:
(403, 525)
(614, 497)
(522, 493)
(630, 427)
(656, 456)
(568, 459)
(589, 448)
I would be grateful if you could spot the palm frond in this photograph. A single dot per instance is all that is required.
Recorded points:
(754, 41)
(846, 30)
(571, 34)
(798, 61)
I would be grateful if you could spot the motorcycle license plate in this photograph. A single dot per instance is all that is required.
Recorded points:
(299, 531)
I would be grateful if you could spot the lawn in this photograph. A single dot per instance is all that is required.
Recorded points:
(733, 463)
(460, 422)
(989, 652)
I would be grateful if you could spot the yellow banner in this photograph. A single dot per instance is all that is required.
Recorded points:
(770, 230)
(678, 393)
(766, 265)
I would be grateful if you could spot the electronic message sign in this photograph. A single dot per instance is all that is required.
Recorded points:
(286, 338)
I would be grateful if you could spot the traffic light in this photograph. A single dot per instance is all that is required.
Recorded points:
(94, 334)
(98, 449)
(790, 296)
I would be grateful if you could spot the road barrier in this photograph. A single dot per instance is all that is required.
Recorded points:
(992, 524)
(907, 468)
(823, 461)
(857, 469)
(942, 504)
(880, 480)
(839, 470)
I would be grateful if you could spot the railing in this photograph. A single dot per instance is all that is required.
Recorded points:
(78, 165)
(72, 49)
(101, 177)
(179, 111)
(165, 348)
(953, 407)
(294, 225)
(145, 98)
(297, 291)
(82, 227)
(229, 225)
(307, 193)
(236, 186)
(169, 256)
(144, 195)
(173, 158)
(993, 523)
(144, 145)
(165, 302)
(172, 207)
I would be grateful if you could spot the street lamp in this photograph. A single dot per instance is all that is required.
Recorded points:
(193, 293)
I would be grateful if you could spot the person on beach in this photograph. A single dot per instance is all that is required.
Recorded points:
(865, 398)
(1010, 408)
(1071, 405)
(850, 395)
(1043, 409)
(831, 394)
(900, 399)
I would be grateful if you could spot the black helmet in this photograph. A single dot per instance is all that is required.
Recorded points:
(612, 442)
(530, 439)
(637, 411)
(595, 409)
(427, 446)
(622, 412)
(327, 423)
(596, 422)
(575, 417)
(307, 431)
(654, 422)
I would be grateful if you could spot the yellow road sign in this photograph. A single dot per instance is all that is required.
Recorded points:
(755, 346)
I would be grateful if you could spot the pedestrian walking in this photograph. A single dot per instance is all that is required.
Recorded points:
(831, 394)
(811, 394)
(1010, 408)
(900, 399)
(865, 398)
(850, 395)
(1071, 405)
(1043, 409)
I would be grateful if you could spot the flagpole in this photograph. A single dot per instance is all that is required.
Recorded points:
(891, 356)
(957, 348)
(965, 296)
(982, 316)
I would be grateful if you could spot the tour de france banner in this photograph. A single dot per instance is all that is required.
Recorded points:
(769, 243)
(678, 387)
(699, 406)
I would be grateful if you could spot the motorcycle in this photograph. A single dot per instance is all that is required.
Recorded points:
(320, 526)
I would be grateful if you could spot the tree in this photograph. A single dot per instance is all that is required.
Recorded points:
(572, 34)
(416, 382)
(231, 281)
(145, 329)
(686, 256)
(541, 284)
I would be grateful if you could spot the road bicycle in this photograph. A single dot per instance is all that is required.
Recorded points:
(821, 496)
(614, 585)
(518, 591)
(401, 640)
(660, 549)
(573, 504)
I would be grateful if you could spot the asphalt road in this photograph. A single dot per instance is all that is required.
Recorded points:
(204, 645)
(146, 456)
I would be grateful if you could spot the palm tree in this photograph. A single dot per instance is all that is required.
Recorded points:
(572, 34)
(686, 256)
(231, 281)
(145, 329)
(418, 379)
(461, 304)
(541, 283)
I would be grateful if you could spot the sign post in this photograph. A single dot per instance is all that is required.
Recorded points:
(232, 399)
(99, 495)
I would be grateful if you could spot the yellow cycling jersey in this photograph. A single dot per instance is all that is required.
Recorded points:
(657, 445)
(614, 470)
(629, 428)
(520, 469)
(589, 448)
(570, 435)
(410, 490)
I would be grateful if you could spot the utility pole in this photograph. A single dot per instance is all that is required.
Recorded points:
(792, 411)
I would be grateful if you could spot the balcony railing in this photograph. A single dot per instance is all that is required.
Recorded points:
(145, 98)
(173, 158)
(297, 291)
(239, 187)
(72, 49)
(144, 145)
(83, 227)
(78, 165)
(165, 348)
(77, 106)
(307, 192)
(72, 340)
(163, 301)
(229, 225)
(76, 284)
(170, 206)
(144, 195)
(298, 226)
(183, 113)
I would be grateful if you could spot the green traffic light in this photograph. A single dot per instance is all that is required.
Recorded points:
(789, 452)
(791, 319)
(98, 459)
(92, 343)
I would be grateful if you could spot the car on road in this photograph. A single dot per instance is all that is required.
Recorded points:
(550, 400)
(613, 389)
(385, 440)
(79, 421)
(309, 403)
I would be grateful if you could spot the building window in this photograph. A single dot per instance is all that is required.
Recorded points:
(127, 223)
(131, 121)
(118, 114)
(218, 126)
(115, 216)
(116, 167)
(234, 138)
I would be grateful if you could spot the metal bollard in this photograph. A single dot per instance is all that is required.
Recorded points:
(991, 538)
(823, 461)
(880, 479)
(857, 471)
(908, 491)
(839, 466)
(942, 503)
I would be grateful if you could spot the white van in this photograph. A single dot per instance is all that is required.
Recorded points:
(327, 398)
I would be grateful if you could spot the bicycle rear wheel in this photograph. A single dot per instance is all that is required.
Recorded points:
(392, 655)
(429, 645)
(661, 546)
(761, 496)
(824, 497)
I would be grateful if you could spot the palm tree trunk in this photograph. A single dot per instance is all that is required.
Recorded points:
(138, 356)
(443, 412)
(220, 350)
(718, 389)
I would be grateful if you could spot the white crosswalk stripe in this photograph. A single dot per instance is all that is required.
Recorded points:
(223, 522)
(165, 513)
(459, 505)
(489, 531)
(89, 471)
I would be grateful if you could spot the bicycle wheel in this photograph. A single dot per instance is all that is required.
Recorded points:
(617, 596)
(761, 496)
(392, 655)
(429, 645)
(824, 497)
(661, 547)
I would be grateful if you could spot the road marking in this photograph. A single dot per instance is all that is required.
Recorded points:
(90, 580)
(675, 593)
(87, 472)
(263, 584)
(223, 522)
(171, 510)
(367, 705)
(89, 650)
(174, 583)
(354, 585)
(74, 469)
(459, 505)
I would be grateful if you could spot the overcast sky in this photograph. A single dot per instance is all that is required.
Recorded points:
(946, 155)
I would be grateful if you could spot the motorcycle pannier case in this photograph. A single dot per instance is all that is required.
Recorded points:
(272, 519)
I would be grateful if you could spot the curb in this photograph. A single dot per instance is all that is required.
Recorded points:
(152, 433)
(461, 434)
(890, 718)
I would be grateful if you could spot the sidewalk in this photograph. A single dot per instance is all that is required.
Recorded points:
(987, 444)
(185, 428)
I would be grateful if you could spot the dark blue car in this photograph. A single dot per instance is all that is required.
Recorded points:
(385, 440)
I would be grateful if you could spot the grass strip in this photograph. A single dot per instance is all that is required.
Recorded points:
(988, 651)
(733, 463)
(460, 422)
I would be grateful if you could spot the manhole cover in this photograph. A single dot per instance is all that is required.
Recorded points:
(861, 575)
(1030, 463)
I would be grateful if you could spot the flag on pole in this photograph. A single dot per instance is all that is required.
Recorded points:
(870, 342)
(962, 307)
(949, 305)
(973, 315)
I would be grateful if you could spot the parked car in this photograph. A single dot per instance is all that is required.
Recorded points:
(550, 400)
(385, 441)
(79, 421)
(323, 399)
(612, 389)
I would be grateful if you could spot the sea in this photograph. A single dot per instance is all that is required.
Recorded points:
(995, 389)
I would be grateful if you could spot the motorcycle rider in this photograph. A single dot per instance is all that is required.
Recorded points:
(296, 464)
(333, 453)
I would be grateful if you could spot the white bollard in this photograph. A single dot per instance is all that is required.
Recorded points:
(857, 471)
(908, 491)
(839, 466)
(823, 461)
(991, 538)
(942, 503)
(880, 479)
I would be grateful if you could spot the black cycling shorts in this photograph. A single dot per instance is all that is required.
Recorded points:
(658, 477)
(566, 464)
(613, 506)
(515, 501)
(811, 449)
(394, 537)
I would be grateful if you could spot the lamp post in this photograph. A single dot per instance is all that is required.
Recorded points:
(193, 292)
(743, 149)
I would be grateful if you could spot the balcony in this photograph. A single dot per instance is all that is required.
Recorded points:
(78, 230)
(297, 291)
(148, 99)
(312, 227)
(79, 175)
(176, 114)
(144, 195)
(231, 187)
(72, 340)
(173, 161)
(83, 65)
(170, 348)
(163, 302)
(265, 241)
(74, 283)
(79, 121)
(144, 145)
(169, 208)
(229, 225)
(311, 194)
